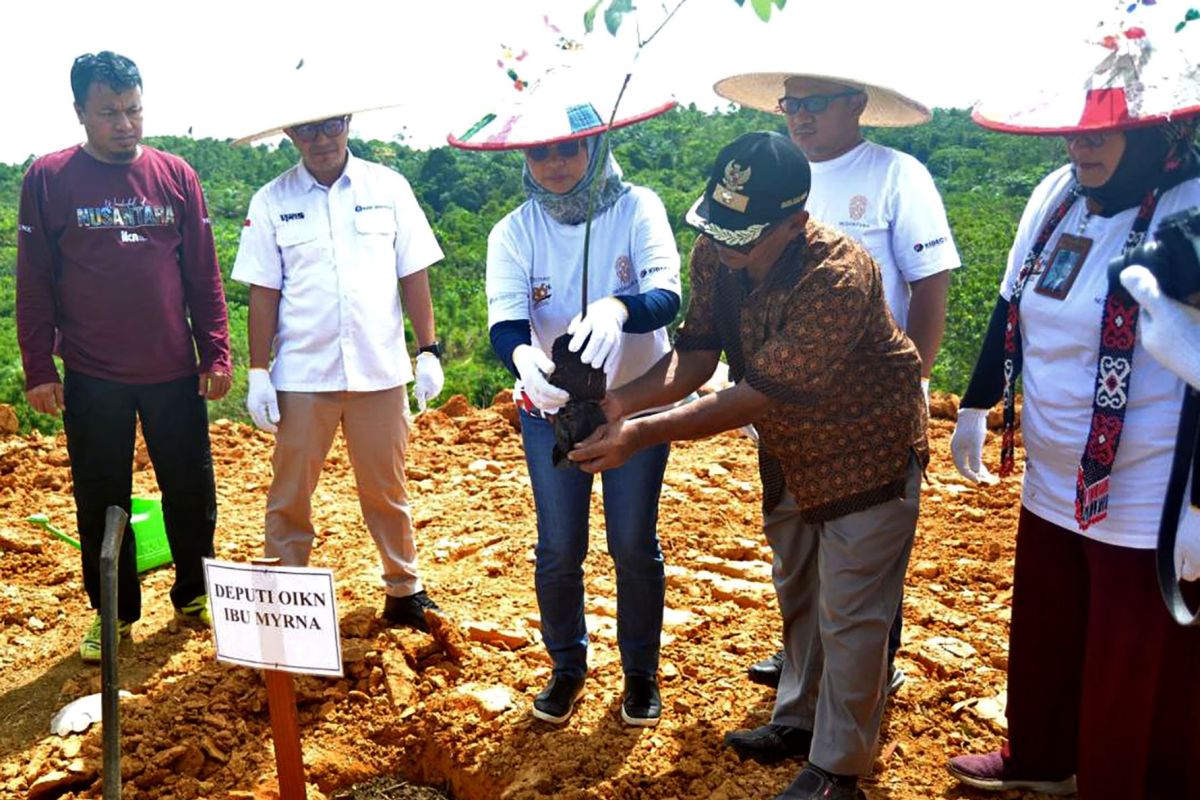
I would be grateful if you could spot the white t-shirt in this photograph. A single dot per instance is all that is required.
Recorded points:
(886, 200)
(535, 272)
(1061, 344)
(336, 254)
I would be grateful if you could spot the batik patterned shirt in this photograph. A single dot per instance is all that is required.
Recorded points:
(816, 335)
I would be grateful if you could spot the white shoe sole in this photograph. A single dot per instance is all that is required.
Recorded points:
(553, 720)
(1057, 788)
(638, 722)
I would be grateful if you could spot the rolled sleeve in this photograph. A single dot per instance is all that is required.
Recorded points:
(507, 279)
(417, 247)
(654, 251)
(699, 328)
(823, 320)
(258, 259)
(922, 241)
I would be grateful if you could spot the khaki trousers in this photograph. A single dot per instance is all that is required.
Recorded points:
(375, 426)
(839, 584)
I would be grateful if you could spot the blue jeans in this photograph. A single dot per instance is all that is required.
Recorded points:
(562, 498)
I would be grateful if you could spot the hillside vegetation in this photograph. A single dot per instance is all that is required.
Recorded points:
(984, 178)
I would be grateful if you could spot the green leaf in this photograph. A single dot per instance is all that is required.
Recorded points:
(616, 10)
(589, 16)
(780, 4)
(762, 8)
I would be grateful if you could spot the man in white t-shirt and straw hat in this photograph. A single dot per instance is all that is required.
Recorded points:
(323, 248)
(881, 197)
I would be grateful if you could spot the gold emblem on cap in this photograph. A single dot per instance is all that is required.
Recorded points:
(728, 192)
(794, 201)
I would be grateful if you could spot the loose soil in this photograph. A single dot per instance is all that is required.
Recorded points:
(453, 710)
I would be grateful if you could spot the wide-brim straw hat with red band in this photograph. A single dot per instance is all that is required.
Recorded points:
(568, 102)
(886, 108)
(1123, 80)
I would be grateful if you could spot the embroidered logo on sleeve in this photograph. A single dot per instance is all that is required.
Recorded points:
(920, 246)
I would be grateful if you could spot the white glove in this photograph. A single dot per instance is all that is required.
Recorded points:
(430, 379)
(925, 391)
(1187, 545)
(1169, 330)
(261, 400)
(533, 366)
(603, 324)
(967, 444)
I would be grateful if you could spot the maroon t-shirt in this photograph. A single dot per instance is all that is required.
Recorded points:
(115, 259)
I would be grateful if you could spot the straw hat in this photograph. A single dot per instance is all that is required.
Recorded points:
(886, 108)
(310, 93)
(310, 112)
(1122, 81)
(570, 101)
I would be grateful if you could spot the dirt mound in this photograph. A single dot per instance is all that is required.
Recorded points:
(454, 711)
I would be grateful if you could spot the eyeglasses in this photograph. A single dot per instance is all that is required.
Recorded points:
(332, 128)
(1090, 140)
(814, 103)
(564, 150)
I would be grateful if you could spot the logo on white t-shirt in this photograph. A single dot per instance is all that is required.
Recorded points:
(540, 293)
(919, 246)
(858, 206)
(624, 269)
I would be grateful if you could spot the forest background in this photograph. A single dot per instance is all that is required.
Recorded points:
(985, 179)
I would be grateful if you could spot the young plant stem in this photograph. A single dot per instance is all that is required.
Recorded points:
(601, 152)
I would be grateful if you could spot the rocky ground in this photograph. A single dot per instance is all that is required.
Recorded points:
(453, 711)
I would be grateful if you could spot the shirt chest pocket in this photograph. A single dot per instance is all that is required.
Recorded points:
(292, 235)
(376, 223)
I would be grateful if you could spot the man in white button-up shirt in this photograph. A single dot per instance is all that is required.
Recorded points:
(323, 247)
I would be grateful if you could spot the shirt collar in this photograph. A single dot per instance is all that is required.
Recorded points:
(348, 173)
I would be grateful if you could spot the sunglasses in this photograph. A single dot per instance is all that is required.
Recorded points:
(814, 103)
(1091, 140)
(566, 150)
(332, 128)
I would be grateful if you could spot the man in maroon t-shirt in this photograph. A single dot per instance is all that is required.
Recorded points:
(117, 273)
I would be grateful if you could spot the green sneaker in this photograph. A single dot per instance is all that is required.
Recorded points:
(197, 609)
(89, 650)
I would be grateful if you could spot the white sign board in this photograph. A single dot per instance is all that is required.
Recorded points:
(281, 618)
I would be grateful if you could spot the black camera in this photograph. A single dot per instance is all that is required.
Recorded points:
(1173, 256)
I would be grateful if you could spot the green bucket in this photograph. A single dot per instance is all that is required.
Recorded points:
(149, 532)
(146, 517)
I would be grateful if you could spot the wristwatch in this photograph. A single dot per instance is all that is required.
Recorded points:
(434, 347)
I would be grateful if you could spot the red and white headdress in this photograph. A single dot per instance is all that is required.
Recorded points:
(1130, 79)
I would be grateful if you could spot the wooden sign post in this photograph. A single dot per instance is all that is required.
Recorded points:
(280, 620)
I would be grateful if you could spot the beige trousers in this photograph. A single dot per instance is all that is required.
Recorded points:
(375, 426)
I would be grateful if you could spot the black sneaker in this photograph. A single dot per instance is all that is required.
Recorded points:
(556, 702)
(642, 706)
(409, 610)
(770, 743)
(896, 679)
(767, 671)
(814, 783)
